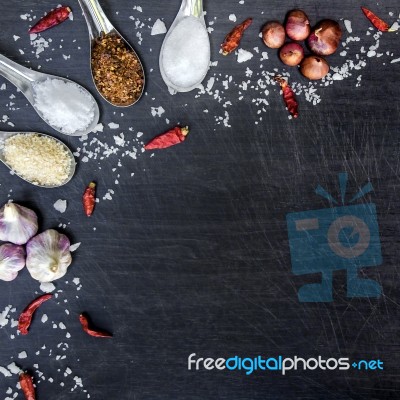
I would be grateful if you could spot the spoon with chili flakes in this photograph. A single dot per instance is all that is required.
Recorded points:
(117, 71)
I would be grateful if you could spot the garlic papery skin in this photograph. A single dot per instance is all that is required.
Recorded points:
(17, 223)
(48, 256)
(12, 260)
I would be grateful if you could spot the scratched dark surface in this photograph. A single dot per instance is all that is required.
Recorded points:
(192, 255)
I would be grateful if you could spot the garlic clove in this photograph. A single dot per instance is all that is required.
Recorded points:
(12, 260)
(17, 223)
(48, 256)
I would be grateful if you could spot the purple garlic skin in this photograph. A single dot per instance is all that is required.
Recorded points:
(12, 260)
(48, 256)
(17, 223)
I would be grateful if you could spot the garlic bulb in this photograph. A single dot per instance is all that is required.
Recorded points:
(17, 223)
(48, 256)
(12, 260)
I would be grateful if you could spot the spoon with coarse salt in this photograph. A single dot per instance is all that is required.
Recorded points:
(63, 104)
(185, 52)
(37, 158)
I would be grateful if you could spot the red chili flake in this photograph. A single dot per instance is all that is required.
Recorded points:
(51, 19)
(376, 21)
(232, 39)
(25, 380)
(167, 139)
(92, 332)
(89, 199)
(25, 318)
(288, 96)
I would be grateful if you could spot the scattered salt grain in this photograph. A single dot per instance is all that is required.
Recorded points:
(113, 125)
(232, 17)
(22, 354)
(47, 287)
(44, 318)
(16, 37)
(157, 111)
(394, 27)
(159, 28)
(74, 247)
(244, 55)
(395, 60)
(60, 205)
(13, 368)
(98, 128)
(186, 53)
(5, 372)
(65, 106)
(347, 25)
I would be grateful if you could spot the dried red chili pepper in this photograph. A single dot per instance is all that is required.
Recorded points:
(167, 139)
(53, 18)
(25, 318)
(25, 380)
(232, 39)
(92, 332)
(89, 199)
(376, 21)
(288, 96)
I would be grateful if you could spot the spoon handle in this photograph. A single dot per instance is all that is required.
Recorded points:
(192, 7)
(96, 20)
(18, 75)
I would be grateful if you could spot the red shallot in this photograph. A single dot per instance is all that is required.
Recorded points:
(273, 34)
(297, 25)
(291, 54)
(314, 67)
(325, 37)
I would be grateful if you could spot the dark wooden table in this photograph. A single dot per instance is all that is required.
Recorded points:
(191, 254)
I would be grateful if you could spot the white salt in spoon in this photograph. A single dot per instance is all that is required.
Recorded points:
(190, 12)
(6, 135)
(99, 24)
(25, 79)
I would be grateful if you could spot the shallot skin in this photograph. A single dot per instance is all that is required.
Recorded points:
(273, 34)
(325, 37)
(297, 25)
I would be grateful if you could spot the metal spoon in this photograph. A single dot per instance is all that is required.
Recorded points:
(99, 24)
(189, 8)
(6, 135)
(25, 79)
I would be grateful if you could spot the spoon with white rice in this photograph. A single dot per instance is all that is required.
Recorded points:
(63, 104)
(37, 158)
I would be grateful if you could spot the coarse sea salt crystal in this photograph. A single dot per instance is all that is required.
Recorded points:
(347, 25)
(74, 247)
(60, 205)
(22, 354)
(13, 368)
(157, 111)
(3, 316)
(244, 55)
(186, 53)
(158, 28)
(44, 318)
(47, 287)
(5, 372)
(232, 17)
(113, 125)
